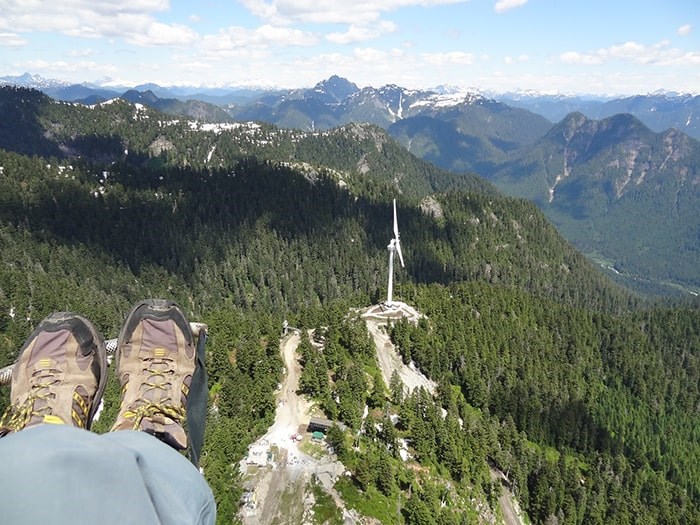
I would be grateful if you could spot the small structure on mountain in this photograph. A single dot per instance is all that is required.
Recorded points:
(318, 424)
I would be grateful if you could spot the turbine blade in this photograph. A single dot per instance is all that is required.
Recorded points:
(396, 223)
(398, 250)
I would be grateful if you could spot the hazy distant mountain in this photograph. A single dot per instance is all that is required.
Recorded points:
(333, 91)
(659, 111)
(337, 102)
(553, 106)
(147, 98)
(80, 93)
(194, 109)
(107, 88)
(32, 81)
(315, 108)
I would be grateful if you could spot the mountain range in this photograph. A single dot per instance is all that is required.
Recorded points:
(621, 188)
(387, 104)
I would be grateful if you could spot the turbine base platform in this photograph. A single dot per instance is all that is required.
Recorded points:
(393, 311)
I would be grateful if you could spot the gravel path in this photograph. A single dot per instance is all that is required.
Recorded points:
(389, 361)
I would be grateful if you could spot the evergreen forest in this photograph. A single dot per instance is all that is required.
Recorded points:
(583, 394)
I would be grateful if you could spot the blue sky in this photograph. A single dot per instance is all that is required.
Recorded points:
(617, 47)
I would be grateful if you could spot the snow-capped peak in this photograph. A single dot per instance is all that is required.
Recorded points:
(30, 80)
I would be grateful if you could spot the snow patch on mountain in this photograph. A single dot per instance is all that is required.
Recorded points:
(447, 100)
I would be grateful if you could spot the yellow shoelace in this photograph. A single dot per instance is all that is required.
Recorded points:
(16, 417)
(159, 367)
(149, 410)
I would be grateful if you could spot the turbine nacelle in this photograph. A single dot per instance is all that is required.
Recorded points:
(395, 247)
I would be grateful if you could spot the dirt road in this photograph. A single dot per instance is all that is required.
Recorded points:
(389, 361)
(290, 469)
(509, 505)
(292, 410)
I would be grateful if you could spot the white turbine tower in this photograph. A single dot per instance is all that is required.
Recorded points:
(394, 247)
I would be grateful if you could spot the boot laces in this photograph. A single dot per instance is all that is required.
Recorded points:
(156, 399)
(17, 416)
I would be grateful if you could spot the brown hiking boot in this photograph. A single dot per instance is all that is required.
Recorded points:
(59, 377)
(155, 365)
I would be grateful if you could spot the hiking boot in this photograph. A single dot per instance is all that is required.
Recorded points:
(155, 365)
(59, 376)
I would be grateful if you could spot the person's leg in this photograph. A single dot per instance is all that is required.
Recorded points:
(177, 491)
(53, 471)
(156, 361)
(60, 474)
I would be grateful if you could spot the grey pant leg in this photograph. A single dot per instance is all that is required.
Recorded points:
(177, 490)
(64, 475)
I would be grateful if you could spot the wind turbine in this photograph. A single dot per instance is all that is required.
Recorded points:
(394, 247)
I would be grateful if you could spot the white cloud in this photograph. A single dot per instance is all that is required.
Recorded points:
(252, 43)
(448, 59)
(369, 54)
(81, 52)
(130, 19)
(61, 67)
(574, 57)
(506, 5)
(284, 36)
(684, 30)
(11, 40)
(361, 33)
(633, 52)
(158, 34)
(360, 12)
(518, 59)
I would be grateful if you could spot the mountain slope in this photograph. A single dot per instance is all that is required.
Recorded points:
(119, 131)
(659, 112)
(475, 135)
(337, 102)
(619, 191)
(135, 142)
(604, 178)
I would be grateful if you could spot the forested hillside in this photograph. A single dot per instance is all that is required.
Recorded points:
(585, 397)
(588, 384)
